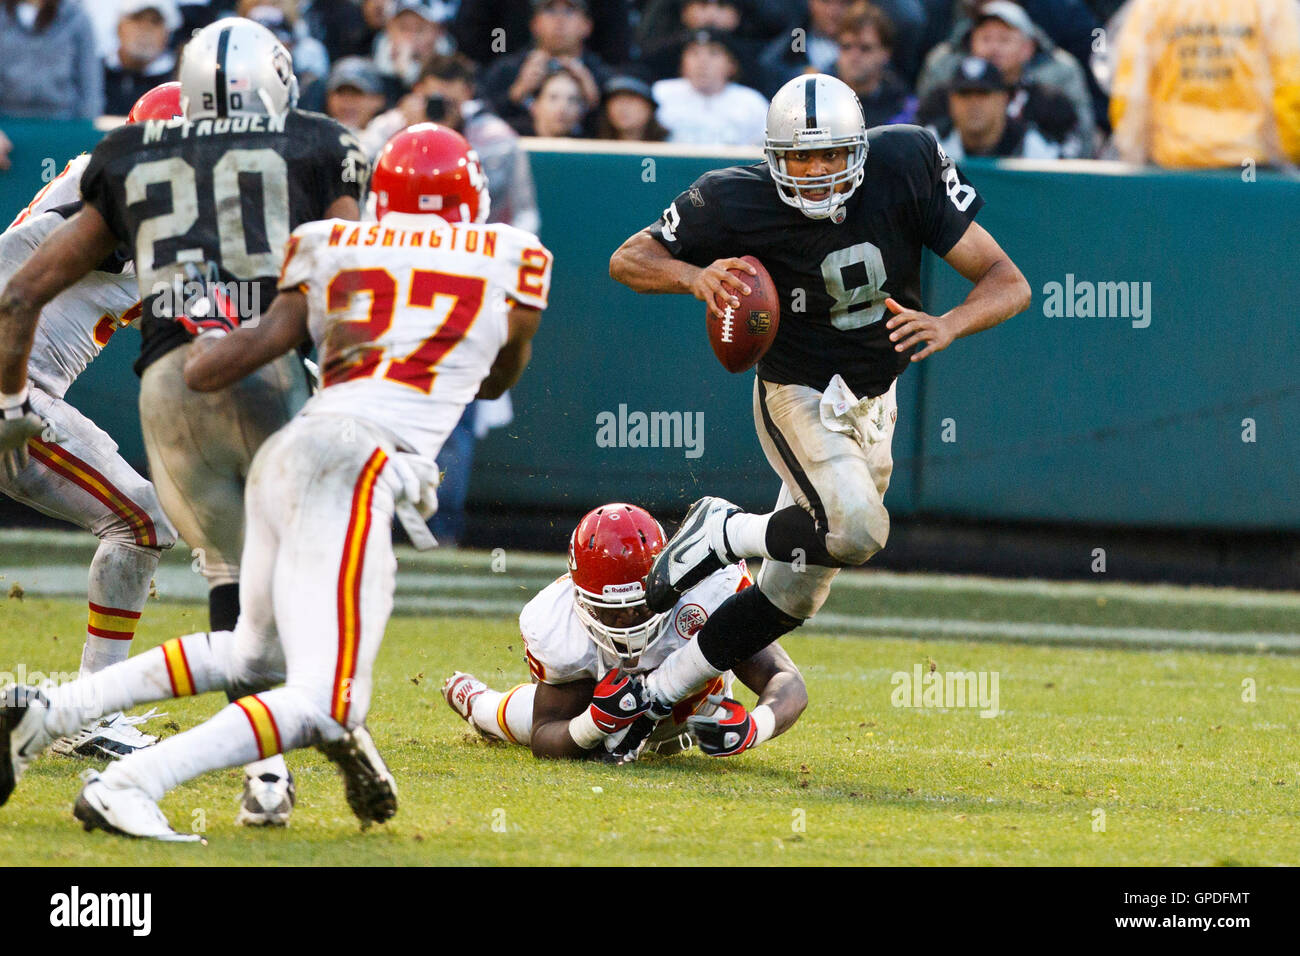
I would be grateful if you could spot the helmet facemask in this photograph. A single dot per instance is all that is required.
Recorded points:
(627, 644)
(791, 188)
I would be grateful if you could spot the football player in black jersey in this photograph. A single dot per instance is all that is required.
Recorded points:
(839, 216)
(206, 203)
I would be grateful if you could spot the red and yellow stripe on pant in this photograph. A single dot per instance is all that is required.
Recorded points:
(67, 465)
(263, 724)
(349, 585)
(112, 623)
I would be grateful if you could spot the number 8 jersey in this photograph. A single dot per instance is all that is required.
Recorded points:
(408, 314)
(832, 278)
(216, 192)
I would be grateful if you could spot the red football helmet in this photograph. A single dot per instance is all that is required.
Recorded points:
(610, 554)
(429, 168)
(160, 103)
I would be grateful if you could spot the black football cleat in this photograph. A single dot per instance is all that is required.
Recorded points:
(691, 555)
(370, 788)
(23, 736)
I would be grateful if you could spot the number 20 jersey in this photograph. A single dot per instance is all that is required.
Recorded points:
(226, 191)
(408, 314)
(832, 278)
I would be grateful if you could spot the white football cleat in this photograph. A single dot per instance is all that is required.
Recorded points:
(460, 691)
(126, 812)
(268, 800)
(23, 736)
(113, 736)
(697, 550)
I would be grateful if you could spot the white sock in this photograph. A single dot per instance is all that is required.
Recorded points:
(682, 672)
(506, 715)
(118, 590)
(182, 666)
(254, 728)
(746, 535)
(273, 765)
(225, 740)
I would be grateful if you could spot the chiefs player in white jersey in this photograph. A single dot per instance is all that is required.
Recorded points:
(414, 316)
(74, 471)
(586, 631)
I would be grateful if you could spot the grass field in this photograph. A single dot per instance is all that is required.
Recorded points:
(1111, 715)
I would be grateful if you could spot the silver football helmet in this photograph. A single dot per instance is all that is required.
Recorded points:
(235, 67)
(816, 112)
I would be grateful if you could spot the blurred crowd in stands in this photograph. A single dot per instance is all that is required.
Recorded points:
(1180, 83)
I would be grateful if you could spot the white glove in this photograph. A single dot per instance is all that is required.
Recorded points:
(415, 496)
(18, 423)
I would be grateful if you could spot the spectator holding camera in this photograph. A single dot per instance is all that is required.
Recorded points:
(703, 105)
(446, 94)
(560, 29)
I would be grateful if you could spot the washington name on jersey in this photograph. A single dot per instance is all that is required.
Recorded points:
(77, 323)
(560, 649)
(215, 201)
(408, 314)
(832, 278)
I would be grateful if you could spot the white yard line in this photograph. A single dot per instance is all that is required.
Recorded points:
(950, 629)
(476, 562)
(436, 583)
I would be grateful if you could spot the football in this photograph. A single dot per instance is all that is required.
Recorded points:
(741, 335)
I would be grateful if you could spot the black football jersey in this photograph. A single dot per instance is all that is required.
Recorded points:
(832, 278)
(215, 200)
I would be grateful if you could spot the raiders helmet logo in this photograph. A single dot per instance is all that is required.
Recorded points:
(283, 65)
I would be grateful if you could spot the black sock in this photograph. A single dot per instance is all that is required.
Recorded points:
(792, 532)
(743, 625)
(223, 607)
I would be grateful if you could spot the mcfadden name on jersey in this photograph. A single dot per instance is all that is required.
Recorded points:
(408, 314)
(219, 196)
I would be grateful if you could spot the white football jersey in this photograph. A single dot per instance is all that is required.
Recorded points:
(408, 314)
(76, 325)
(560, 649)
